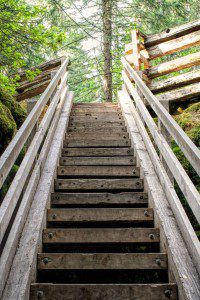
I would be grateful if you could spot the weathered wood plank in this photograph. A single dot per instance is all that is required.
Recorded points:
(169, 47)
(93, 135)
(187, 187)
(181, 94)
(28, 94)
(94, 114)
(144, 261)
(98, 123)
(91, 109)
(97, 129)
(97, 143)
(23, 270)
(20, 218)
(10, 201)
(12, 151)
(174, 65)
(99, 214)
(97, 118)
(43, 67)
(99, 184)
(101, 235)
(97, 161)
(104, 292)
(98, 171)
(183, 141)
(97, 151)
(174, 82)
(172, 33)
(99, 198)
(180, 261)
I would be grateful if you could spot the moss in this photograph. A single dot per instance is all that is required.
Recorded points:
(7, 126)
(17, 111)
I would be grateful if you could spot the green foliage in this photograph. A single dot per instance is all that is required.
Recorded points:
(7, 126)
(18, 113)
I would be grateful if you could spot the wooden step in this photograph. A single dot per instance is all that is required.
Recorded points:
(97, 118)
(99, 184)
(60, 261)
(100, 235)
(98, 171)
(126, 151)
(103, 291)
(98, 115)
(98, 161)
(91, 109)
(97, 123)
(92, 199)
(92, 136)
(97, 143)
(99, 215)
(99, 129)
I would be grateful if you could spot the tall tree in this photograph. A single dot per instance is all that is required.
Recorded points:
(107, 45)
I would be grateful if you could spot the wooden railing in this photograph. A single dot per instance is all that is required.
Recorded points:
(167, 166)
(16, 203)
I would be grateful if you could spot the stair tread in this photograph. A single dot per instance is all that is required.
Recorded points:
(98, 161)
(99, 184)
(99, 214)
(99, 198)
(104, 291)
(97, 143)
(101, 235)
(102, 261)
(98, 171)
(97, 152)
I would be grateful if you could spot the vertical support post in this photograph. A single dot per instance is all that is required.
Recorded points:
(167, 137)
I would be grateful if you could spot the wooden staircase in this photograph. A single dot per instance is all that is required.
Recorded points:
(100, 241)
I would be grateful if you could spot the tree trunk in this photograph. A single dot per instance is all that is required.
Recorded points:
(107, 44)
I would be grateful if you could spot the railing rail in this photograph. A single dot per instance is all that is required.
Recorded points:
(187, 146)
(17, 201)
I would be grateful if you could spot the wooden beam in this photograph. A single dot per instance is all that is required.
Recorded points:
(172, 33)
(135, 49)
(174, 65)
(35, 91)
(182, 94)
(181, 43)
(174, 82)
(43, 67)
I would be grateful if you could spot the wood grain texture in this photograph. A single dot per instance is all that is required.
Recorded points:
(97, 143)
(98, 171)
(172, 33)
(101, 235)
(99, 184)
(123, 151)
(174, 82)
(104, 292)
(60, 261)
(99, 214)
(97, 161)
(124, 198)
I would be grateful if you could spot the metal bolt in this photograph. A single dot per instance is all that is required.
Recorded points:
(168, 293)
(134, 172)
(146, 213)
(158, 261)
(131, 160)
(54, 216)
(45, 260)
(141, 197)
(59, 183)
(138, 183)
(50, 235)
(40, 294)
(124, 136)
(128, 151)
(62, 171)
(151, 236)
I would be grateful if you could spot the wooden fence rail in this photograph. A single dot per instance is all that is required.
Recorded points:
(187, 146)
(16, 203)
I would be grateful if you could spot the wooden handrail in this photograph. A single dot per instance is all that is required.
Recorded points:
(12, 151)
(191, 152)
